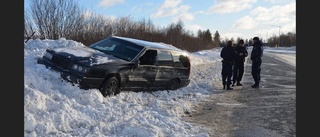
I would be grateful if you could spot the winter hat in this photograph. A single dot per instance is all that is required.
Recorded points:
(256, 38)
(241, 41)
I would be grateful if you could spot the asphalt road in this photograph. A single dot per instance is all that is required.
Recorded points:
(269, 111)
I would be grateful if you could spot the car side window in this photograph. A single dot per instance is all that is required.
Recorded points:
(164, 59)
(149, 57)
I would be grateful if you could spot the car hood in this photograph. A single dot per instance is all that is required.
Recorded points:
(87, 56)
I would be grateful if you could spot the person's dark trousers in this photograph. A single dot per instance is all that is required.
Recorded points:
(238, 71)
(255, 71)
(235, 73)
(226, 74)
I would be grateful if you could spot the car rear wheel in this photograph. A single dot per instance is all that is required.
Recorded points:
(110, 87)
(173, 84)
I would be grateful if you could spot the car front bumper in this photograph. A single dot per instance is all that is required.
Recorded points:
(74, 78)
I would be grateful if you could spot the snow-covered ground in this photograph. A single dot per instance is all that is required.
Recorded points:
(53, 107)
(286, 54)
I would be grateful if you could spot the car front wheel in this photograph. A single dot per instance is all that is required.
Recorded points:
(110, 87)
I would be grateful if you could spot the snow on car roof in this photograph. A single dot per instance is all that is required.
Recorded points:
(149, 44)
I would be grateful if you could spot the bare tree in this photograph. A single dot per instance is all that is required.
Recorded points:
(29, 28)
(96, 27)
(174, 33)
(56, 18)
(123, 25)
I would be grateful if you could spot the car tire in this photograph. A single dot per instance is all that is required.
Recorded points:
(173, 84)
(110, 87)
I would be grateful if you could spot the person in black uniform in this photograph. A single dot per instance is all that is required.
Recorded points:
(228, 55)
(238, 68)
(255, 57)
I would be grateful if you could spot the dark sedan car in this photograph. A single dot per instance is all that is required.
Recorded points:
(120, 63)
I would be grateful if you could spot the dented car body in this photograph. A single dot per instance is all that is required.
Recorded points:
(120, 63)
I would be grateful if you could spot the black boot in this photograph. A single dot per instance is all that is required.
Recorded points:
(229, 88)
(255, 86)
(239, 84)
(224, 86)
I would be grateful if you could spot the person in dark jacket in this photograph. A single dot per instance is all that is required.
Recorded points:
(238, 68)
(255, 57)
(228, 55)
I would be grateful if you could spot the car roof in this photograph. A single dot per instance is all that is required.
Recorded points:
(148, 43)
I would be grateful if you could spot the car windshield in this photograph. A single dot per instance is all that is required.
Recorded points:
(118, 48)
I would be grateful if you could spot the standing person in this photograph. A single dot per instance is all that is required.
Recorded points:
(238, 68)
(255, 57)
(228, 55)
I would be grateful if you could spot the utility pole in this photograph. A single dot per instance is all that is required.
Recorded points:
(279, 33)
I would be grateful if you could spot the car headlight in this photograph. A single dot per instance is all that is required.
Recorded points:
(79, 68)
(48, 55)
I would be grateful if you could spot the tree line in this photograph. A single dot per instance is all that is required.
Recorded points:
(286, 40)
(54, 19)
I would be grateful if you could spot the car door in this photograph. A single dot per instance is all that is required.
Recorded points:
(165, 69)
(143, 76)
